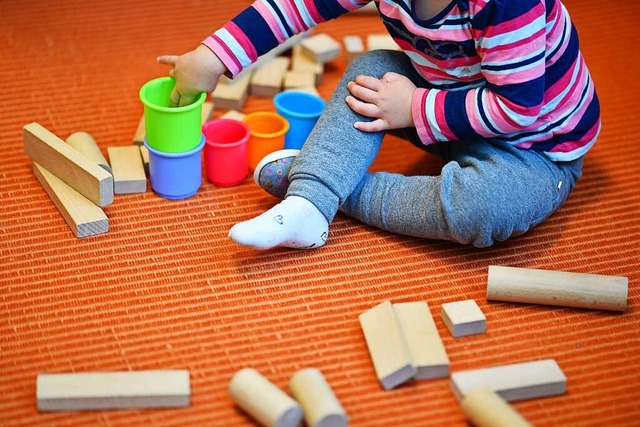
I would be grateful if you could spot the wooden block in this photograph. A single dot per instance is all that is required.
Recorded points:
(144, 155)
(321, 48)
(113, 390)
(464, 318)
(381, 41)
(303, 63)
(387, 346)
(233, 114)
(231, 94)
(421, 334)
(354, 47)
(85, 144)
(518, 381)
(83, 216)
(296, 79)
(267, 79)
(65, 162)
(138, 138)
(485, 408)
(128, 170)
(559, 288)
(263, 400)
(320, 405)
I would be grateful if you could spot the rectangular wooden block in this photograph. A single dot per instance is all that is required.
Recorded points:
(128, 170)
(321, 48)
(421, 334)
(464, 318)
(518, 381)
(381, 41)
(232, 94)
(296, 79)
(138, 138)
(354, 47)
(303, 63)
(66, 163)
(387, 346)
(233, 114)
(144, 154)
(267, 79)
(113, 390)
(83, 216)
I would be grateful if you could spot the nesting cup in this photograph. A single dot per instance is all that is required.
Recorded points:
(267, 135)
(225, 151)
(302, 111)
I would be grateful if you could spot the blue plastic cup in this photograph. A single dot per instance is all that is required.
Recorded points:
(175, 175)
(302, 111)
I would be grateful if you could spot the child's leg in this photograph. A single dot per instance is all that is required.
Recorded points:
(487, 192)
(328, 168)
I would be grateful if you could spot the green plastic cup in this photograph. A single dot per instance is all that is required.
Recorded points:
(170, 129)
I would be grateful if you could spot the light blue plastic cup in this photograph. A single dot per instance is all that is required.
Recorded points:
(302, 111)
(175, 175)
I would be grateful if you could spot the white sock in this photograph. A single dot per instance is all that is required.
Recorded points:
(295, 223)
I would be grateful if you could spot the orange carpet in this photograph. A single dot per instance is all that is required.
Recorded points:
(165, 288)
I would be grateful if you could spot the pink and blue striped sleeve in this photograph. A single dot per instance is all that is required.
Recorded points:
(510, 40)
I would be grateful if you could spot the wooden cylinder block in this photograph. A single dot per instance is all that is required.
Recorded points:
(320, 405)
(85, 144)
(486, 408)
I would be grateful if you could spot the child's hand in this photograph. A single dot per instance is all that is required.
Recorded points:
(388, 100)
(195, 72)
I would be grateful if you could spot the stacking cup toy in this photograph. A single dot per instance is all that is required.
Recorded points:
(301, 111)
(170, 129)
(225, 151)
(267, 135)
(175, 175)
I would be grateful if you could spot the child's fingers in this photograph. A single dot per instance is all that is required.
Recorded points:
(364, 108)
(174, 98)
(377, 125)
(361, 92)
(167, 59)
(369, 82)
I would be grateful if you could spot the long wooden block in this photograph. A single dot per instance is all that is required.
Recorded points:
(83, 216)
(302, 63)
(387, 345)
(421, 334)
(320, 405)
(128, 170)
(85, 144)
(113, 390)
(464, 318)
(485, 408)
(559, 288)
(138, 138)
(518, 381)
(232, 94)
(321, 48)
(65, 162)
(267, 79)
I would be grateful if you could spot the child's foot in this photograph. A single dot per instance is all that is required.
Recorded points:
(295, 223)
(272, 173)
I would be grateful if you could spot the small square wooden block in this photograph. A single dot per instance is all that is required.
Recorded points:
(464, 318)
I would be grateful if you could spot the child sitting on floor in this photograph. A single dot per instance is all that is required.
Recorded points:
(499, 89)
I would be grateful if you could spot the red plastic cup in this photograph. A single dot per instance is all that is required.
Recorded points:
(225, 151)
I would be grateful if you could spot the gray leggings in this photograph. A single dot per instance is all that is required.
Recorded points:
(486, 191)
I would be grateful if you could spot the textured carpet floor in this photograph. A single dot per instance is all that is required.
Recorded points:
(165, 288)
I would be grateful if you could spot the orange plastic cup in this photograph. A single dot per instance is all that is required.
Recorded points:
(267, 135)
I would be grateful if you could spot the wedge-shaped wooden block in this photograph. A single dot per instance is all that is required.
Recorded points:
(128, 170)
(354, 47)
(138, 138)
(560, 288)
(518, 381)
(113, 390)
(387, 346)
(381, 41)
(302, 63)
(464, 318)
(321, 48)
(83, 216)
(485, 408)
(267, 79)
(232, 94)
(66, 163)
(428, 354)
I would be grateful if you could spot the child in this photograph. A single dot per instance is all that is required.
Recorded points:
(498, 88)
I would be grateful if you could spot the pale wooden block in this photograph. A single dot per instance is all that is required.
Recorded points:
(207, 111)
(296, 79)
(303, 63)
(321, 48)
(464, 318)
(66, 163)
(85, 144)
(232, 94)
(354, 46)
(421, 334)
(233, 114)
(310, 90)
(387, 345)
(559, 288)
(144, 154)
(83, 216)
(320, 405)
(288, 44)
(138, 138)
(381, 41)
(267, 79)
(128, 170)
(113, 390)
(518, 381)
(485, 408)
(263, 400)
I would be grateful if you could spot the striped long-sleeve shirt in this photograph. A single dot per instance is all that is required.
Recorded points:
(509, 70)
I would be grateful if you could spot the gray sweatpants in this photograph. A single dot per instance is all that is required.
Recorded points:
(486, 192)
